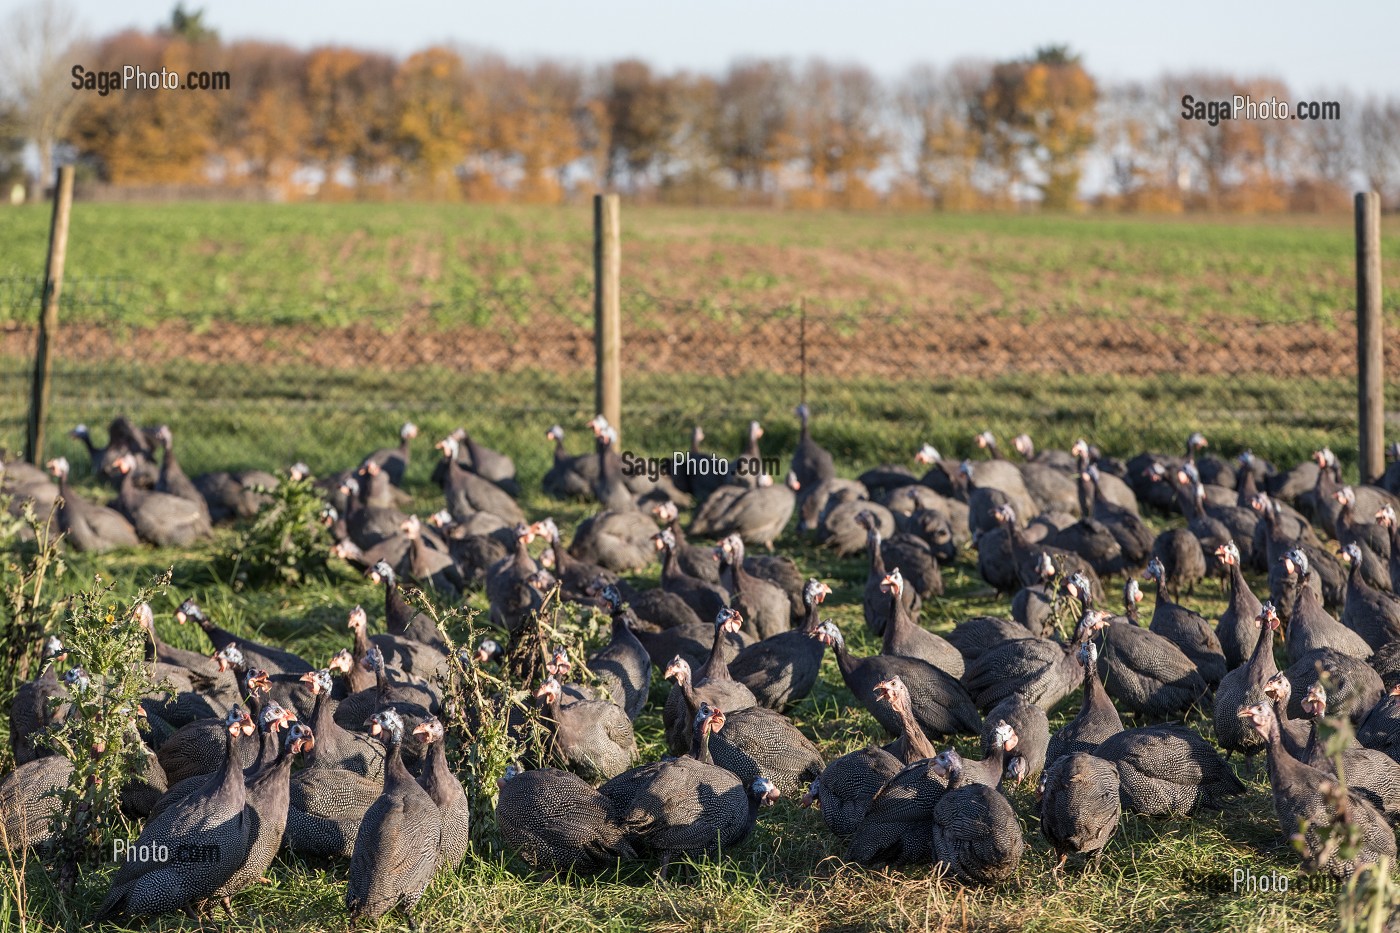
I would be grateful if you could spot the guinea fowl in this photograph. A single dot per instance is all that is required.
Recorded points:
(696, 560)
(1041, 670)
(396, 849)
(592, 738)
(430, 568)
(940, 703)
(1183, 562)
(1309, 625)
(508, 589)
(1238, 626)
(1306, 796)
(1096, 720)
(877, 604)
(1109, 488)
(618, 539)
(1061, 460)
(703, 472)
(999, 474)
(764, 605)
(1372, 613)
(31, 798)
(87, 526)
(414, 698)
(1146, 672)
(976, 836)
(268, 796)
(273, 660)
(1050, 485)
(782, 669)
(897, 828)
(196, 747)
(906, 638)
(1245, 686)
(489, 464)
(123, 437)
(370, 515)
(623, 664)
(848, 784)
(1370, 774)
(757, 742)
(841, 530)
(991, 769)
(555, 820)
(327, 805)
(817, 505)
(1031, 729)
(1354, 687)
(38, 705)
(1168, 769)
(570, 476)
(1077, 801)
(711, 683)
(467, 492)
(704, 597)
(335, 746)
(215, 818)
(1185, 629)
(1381, 727)
(1370, 538)
(446, 790)
(400, 619)
(394, 460)
(760, 514)
(687, 806)
(811, 463)
(172, 479)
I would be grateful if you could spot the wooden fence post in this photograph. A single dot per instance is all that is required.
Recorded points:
(48, 315)
(607, 307)
(1370, 356)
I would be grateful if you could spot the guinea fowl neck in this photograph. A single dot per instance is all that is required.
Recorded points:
(395, 774)
(231, 778)
(1085, 488)
(323, 725)
(813, 619)
(716, 666)
(1245, 483)
(898, 625)
(524, 563)
(670, 566)
(877, 559)
(397, 613)
(1261, 660)
(1094, 694)
(700, 745)
(913, 742)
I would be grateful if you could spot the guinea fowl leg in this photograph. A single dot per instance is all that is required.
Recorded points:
(665, 866)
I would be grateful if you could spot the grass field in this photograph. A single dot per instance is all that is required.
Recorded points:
(247, 289)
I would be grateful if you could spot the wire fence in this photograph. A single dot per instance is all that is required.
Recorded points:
(881, 381)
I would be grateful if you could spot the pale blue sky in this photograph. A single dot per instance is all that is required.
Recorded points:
(1311, 46)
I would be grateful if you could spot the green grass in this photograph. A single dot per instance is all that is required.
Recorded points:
(335, 264)
(789, 875)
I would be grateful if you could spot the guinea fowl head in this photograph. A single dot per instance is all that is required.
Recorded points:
(441, 519)
(373, 661)
(814, 591)
(1080, 448)
(350, 487)
(238, 722)
(300, 738)
(189, 609)
(1386, 516)
(1004, 513)
(1041, 785)
(1295, 563)
(430, 730)
(1156, 572)
(613, 597)
(411, 527)
(1155, 472)
(330, 515)
(1017, 769)
(448, 445)
(256, 682)
(1045, 567)
(386, 722)
(80, 431)
(665, 541)
(357, 619)
(709, 718)
(986, 440)
(54, 650)
(893, 584)
(948, 763)
(371, 469)
(545, 528)
(1004, 735)
(1132, 592)
(408, 432)
(892, 691)
(1351, 553)
(144, 616)
(802, 411)
(729, 621)
(274, 717)
(1088, 653)
(1078, 586)
(1278, 688)
(1258, 715)
(812, 798)
(381, 572)
(319, 682)
(1324, 458)
(524, 532)
(511, 773)
(1023, 445)
(755, 431)
(608, 436)
(1091, 622)
(542, 581)
(550, 691)
(599, 424)
(1346, 495)
(1268, 616)
(829, 634)
(678, 670)
(555, 433)
(342, 661)
(665, 512)
(1315, 703)
(1228, 554)
(299, 471)
(764, 792)
(228, 657)
(927, 455)
(58, 466)
(488, 650)
(559, 664)
(165, 437)
(1196, 442)
(77, 679)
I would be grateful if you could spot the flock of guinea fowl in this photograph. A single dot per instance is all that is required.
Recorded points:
(256, 750)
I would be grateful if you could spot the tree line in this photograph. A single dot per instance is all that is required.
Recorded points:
(453, 122)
